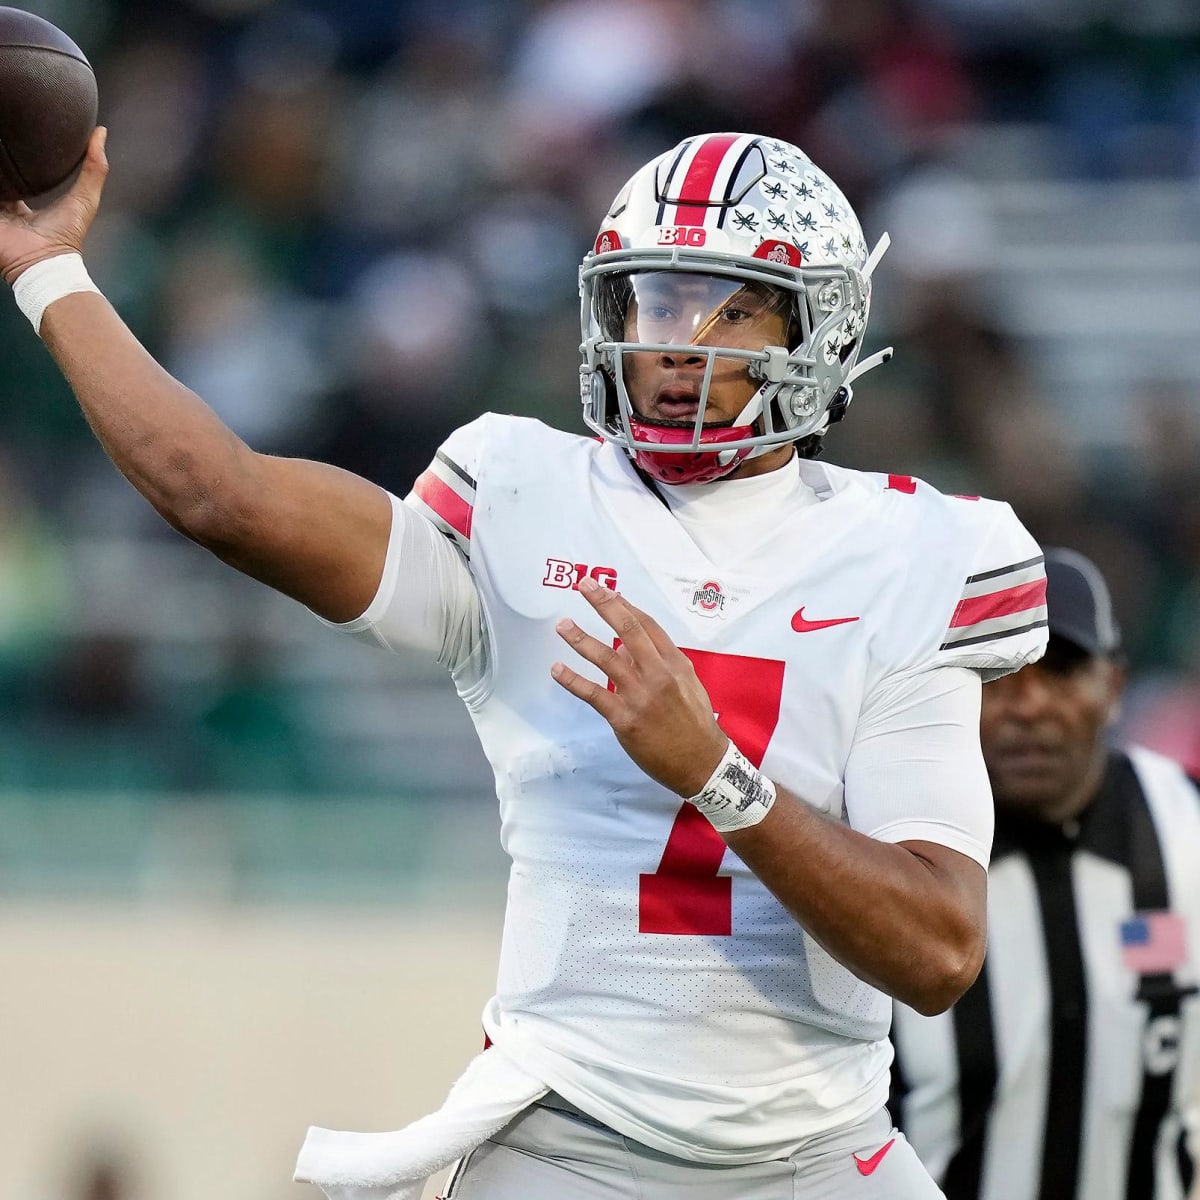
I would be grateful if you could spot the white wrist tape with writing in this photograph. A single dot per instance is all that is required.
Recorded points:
(51, 279)
(737, 794)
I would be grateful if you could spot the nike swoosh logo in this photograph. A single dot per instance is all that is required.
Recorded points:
(801, 624)
(866, 1166)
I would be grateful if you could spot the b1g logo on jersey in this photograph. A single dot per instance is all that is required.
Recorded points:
(563, 574)
(682, 235)
(708, 599)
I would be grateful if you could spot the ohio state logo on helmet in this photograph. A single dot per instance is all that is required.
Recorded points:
(779, 252)
(608, 240)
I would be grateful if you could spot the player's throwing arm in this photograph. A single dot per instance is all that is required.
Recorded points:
(312, 531)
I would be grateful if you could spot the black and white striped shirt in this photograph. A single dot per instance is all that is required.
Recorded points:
(1069, 1070)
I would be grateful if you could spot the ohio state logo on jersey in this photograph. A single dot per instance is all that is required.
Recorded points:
(708, 599)
(563, 574)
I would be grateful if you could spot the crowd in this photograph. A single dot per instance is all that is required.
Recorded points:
(352, 226)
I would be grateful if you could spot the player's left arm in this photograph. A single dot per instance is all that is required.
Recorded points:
(907, 917)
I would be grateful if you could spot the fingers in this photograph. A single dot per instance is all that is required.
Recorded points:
(606, 703)
(657, 634)
(90, 184)
(96, 144)
(95, 163)
(630, 622)
(621, 617)
(644, 652)
(617, 664)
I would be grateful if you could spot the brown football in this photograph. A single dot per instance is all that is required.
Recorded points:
(48, 105)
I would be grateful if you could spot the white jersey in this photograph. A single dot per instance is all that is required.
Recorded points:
(645, 973)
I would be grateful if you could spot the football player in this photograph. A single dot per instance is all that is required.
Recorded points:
(730, 694)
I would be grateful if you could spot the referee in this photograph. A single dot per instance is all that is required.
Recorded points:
(1069, 1070)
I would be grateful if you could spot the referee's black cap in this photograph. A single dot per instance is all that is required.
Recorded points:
(1078, 605)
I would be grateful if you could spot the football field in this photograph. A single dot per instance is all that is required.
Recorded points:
(194, 1046)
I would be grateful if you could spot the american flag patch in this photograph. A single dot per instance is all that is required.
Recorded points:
(445, 495)
(999, 604)
(1154, 943)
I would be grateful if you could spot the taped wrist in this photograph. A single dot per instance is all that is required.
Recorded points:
(737, 794)
(51, 279)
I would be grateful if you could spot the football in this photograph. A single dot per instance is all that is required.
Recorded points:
(48, 105)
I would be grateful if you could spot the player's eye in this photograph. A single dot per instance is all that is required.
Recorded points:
(658, 313)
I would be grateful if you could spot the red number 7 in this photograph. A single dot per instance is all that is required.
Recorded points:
(685, 894)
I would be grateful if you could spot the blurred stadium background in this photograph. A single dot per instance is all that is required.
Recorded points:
(249, 870)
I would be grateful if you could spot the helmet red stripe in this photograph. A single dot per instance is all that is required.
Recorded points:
(698, 182)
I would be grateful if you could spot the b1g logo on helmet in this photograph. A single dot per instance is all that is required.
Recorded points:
(783, 253)
(708, 599)
(563, 574)
(682, 235)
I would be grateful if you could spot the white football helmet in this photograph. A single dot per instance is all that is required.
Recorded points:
(745, 212)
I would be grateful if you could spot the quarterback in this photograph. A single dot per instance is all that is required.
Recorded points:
(730, 693)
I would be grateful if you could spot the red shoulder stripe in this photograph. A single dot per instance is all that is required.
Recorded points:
(446, 502)
(1000, 604)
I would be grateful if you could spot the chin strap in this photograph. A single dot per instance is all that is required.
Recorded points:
(869, 364)
(873, 259)
(842, 397)
(748, 415)
(880, 356)
(835, 411)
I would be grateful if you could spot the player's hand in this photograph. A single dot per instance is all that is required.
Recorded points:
(27, 237)
(658, 709)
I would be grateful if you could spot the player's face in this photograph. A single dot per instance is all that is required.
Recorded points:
(697, 310)
(1043, 731)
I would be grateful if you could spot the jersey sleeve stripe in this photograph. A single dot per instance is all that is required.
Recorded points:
(992, 635)
(447, 531)
(443, 458)
(1003, 603)
(1010, 579)
(1037, 561)
(445, 503)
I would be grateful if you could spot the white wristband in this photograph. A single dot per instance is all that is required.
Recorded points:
(737, 794)
(51, 279)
